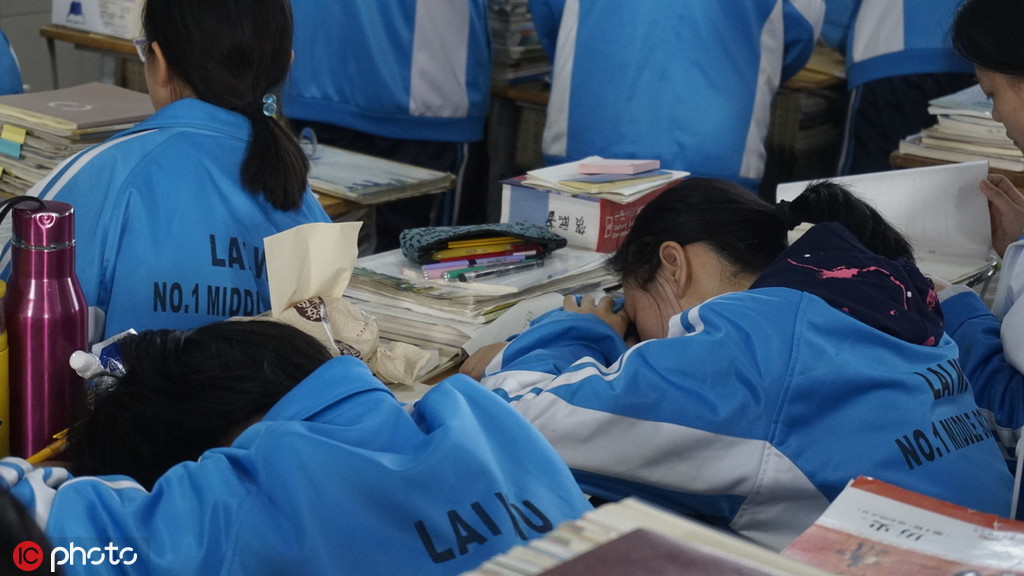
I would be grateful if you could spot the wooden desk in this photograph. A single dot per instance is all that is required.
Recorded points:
(119, 48)
(898, 160)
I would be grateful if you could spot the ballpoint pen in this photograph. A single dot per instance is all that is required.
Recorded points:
(501, 270)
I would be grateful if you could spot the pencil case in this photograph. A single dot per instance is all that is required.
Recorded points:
(419, 244)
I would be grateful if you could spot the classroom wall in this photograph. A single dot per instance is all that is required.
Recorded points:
(20, 21)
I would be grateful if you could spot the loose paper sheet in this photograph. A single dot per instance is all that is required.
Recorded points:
(938, 208)
(310, 260)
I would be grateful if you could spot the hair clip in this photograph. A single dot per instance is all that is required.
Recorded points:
(269, 105)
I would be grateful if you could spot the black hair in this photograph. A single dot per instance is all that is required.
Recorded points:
(742, 229)
(17, 525)
(988, 34)
(232, 53)
(183, 393)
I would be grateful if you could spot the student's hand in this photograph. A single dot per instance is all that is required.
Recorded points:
(603, 309)
(476, 363)
(1006, 210)
(939, 283)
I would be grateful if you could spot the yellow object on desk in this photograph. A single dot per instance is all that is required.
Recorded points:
(52, 449)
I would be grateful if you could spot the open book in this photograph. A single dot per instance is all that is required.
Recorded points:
(371, 180)
(631, 537)
(938, 208)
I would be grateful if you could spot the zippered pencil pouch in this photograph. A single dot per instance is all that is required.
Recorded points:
(420, 245)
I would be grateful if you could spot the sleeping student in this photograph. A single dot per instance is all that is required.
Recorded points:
(180, 203)
(766, 377)
(295, 464)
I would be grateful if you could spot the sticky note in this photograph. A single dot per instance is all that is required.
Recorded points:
(8, 148)
(13, 133)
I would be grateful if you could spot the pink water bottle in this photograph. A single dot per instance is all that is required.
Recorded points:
(46, 322)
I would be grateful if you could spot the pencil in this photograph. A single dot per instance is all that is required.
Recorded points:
(52, 449)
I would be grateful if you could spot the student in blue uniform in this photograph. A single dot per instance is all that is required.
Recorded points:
(320, 470)
(10, 73)
(689, 82)
(406, 80)
(766, 377)
(898, 57)
(986, 32)
(170, 215)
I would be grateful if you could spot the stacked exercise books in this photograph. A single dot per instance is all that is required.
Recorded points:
(965, 131)
(433, 313)
(42, 129)
(516, 53)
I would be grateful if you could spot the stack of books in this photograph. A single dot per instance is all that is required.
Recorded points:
(42, 129)
(516, 53)
(965, 131)
(591, 202)
(440, 315)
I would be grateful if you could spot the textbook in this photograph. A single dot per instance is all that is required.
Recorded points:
(77, 111)
(938, 208)
(874, 528)
(371, 180)
(595, 183)
(970, 101)
(552, 178)
(585, 221)
(632, 537)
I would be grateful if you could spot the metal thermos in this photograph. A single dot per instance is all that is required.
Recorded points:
(47, 321)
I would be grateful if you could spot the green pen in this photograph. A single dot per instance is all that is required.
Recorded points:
(453, 275)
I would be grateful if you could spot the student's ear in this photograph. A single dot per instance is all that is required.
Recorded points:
(161, 72)
(676, 267)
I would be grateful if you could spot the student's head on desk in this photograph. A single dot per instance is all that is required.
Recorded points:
(234, 54)
(184, 392)
(706, 237)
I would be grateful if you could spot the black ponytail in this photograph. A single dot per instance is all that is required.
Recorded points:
(233, 53)
(827, 201)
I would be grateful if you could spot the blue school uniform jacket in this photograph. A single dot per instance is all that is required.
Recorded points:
(688, 82)
(761, 405)
(10, 73)
(404, 69)
(167, 236)
(889, 38)
(337, 478)
(991, 347)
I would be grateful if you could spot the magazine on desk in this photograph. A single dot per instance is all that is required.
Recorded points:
(938, 208)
